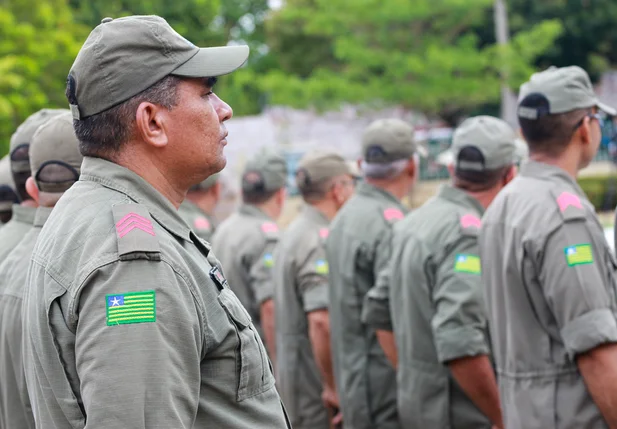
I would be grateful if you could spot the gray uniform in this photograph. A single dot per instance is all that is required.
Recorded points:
(15, 229)
(437, 310)
(15, 408)
(551, 295)
(358, 248)
(301, 279)
(245, 243)
(129, 322)
(202, 225)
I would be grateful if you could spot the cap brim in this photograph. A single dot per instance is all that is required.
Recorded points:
(353, 169)
(211, 62)
(607, 109)
(445, 158)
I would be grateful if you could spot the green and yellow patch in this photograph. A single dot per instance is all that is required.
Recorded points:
(465, 263)
(322, 267)
(131, 307)
(579, 254)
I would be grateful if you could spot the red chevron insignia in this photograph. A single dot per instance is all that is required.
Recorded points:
(133, 221)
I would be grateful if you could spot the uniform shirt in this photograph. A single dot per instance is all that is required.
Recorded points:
(358, 247)
(202, 225)
(15, 408)
(245, 243)
(301, 284)
(129, 323)
(437, 310)
(15, 229)
(549, 278)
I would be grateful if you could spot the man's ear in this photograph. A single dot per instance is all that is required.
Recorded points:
(150, 124)
(510, 174)
(584, 131)
(32, 189)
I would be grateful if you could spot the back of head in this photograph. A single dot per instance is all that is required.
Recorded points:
(317, 170)
(8, 196)
(551, 106)
(263, 176)
(55, 158)
(20, 148)
(484, 149)
(387, 147)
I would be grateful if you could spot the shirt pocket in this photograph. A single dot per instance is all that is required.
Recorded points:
(254, 373)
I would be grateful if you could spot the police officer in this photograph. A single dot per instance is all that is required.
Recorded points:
(128, 319)
(23, 213)
(8, 196)
(445, 375)
(548, 271)
(358, 248)
(198, 207)
(304, 369)
(246, 240)
(55, 164)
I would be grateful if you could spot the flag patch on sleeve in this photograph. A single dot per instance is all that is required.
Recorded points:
(467, 264)
(322, 267)
(268, 260)
(578, 254)
(131, 307)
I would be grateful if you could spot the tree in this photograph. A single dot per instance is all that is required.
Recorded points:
(422, 54)
(38, 43)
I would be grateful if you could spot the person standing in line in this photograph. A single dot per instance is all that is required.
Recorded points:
(198, 207)
(8, 195)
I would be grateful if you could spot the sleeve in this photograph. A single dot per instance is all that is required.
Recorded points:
(578, 288)
(261, 270)
(312, 279)
(138, 347)
(459, 322)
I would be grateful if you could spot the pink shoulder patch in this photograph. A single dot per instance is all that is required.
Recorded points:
(393, 214)
(201, 223)
(133, 221)
(324, 232)
(567, 199)
(269, 227)
(470, 220)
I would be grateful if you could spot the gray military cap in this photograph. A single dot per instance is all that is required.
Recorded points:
(558, 90)
(55, 159)
(125, 56)
(321, 164)
(21, 138)
(8, 196)
(388, 140)
(266, 171)
(492, 137)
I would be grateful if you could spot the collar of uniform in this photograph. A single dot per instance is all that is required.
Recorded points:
(373, 191)
(132, 185)
(315, 215)
(253, 211)
(459, 197)
(23, 214)
(542, 170)
(41, 216)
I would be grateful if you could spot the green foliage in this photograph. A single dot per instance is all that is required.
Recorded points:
(422, 54)
(601, 191)
(38, 42)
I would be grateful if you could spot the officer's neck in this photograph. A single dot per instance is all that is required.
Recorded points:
(399, 187)
(326, 207)
(569, 160)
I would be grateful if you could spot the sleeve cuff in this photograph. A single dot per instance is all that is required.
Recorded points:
(376, 313)
(460, 342)
(264, 292)
(316, 298)
(588, 331)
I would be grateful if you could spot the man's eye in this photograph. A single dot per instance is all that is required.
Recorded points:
(208, 94)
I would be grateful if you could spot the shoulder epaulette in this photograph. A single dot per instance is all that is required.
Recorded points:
(393, 214)
(270, 230)
(201, 223)
(135, 233)
(470, 224)
(569, 204)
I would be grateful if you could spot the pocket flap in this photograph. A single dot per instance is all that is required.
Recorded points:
(234, 308)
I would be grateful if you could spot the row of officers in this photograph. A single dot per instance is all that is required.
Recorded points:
(493, 305)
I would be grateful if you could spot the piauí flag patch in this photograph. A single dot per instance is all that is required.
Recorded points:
(322, 267)
(578, 254)
(131, 307)
(465, 263)
(268, 260)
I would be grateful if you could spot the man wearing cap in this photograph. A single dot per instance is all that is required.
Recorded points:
(55, 163)
(23, 213)
(198, 208)
(245, 241)
(128, 319)
(445, 377)
(548, 271)
(304, 361)
(358, 248)
(8, 195)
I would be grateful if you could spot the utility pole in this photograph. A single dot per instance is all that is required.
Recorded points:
(508, 100)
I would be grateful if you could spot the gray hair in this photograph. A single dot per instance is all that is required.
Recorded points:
(387, 171)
